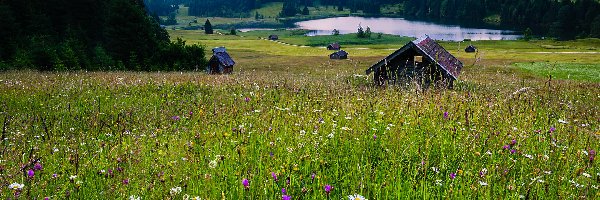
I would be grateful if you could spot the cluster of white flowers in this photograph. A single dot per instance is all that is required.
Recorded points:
(175, 191)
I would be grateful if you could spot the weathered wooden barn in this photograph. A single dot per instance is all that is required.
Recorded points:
(220, 62)
(470, 49)
(422, 61)
(334, 46)
(339, 55)
(273, 37)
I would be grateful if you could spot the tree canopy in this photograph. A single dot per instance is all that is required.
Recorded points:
(88, 35)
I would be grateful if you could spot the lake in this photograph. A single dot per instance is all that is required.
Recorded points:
(403, 27)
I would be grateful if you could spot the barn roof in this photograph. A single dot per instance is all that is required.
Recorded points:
(340, 53)
(430, 49)
(334, 45)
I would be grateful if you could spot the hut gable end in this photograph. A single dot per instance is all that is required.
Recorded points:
(422, 60)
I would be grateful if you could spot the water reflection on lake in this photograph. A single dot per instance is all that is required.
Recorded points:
(403, 27)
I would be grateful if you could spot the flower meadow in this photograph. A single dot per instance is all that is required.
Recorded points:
(255, 135)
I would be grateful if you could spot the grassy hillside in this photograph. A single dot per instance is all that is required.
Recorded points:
(291, 113)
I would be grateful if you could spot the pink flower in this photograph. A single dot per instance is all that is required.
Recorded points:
(246, 183)
(328, 189)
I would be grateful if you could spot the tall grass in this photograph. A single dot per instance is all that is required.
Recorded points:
(125, 134)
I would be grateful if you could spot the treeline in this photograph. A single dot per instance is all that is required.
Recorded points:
(561, 19)
(88, 35)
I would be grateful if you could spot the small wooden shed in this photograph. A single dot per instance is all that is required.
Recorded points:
(470, 49)
(334, 46)
(422, 61)
(273, 37)
(220, 62)
(339, 55)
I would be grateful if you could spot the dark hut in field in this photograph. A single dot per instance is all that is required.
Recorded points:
(273, 37)
(339, 55)
(470, 49)
(423, 61)
(220, 62)
(334, 46)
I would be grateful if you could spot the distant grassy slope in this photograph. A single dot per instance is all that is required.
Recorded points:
(564, 71)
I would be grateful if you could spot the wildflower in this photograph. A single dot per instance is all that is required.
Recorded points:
(562, 121)
(452, 175)
(274, 176)
(374, 137)
(286, 197)
(271, 154)
(438, 182)
(483, 172)
(327, 189)
(312, 176)
(445, 115)
(176, 118)
(512, 151)
(196, 198)
(212, 164)
(30, 173)
(246, 183)
(528, 156)
(133, 197)
(592, 154)
(552, 129)
(175, 191)
(125, 181)
(247, 99)
(505, 147)
(356, 197)
(482, 183)
(54, 175)
(16, 186)
(46, 198)
(346, 128)
(586, 175)
(37, 166)
(513, 142)
(283, 191)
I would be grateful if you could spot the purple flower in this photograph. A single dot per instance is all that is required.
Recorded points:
(37, 167)
(176, 118)
(30, 173)
(247, 99)
(125, 181)
(552, 129)
(327, 189)
(286, 197)
(374, 137)
(287, 181)
(246, 183)
(592, 152)
(445, 115)
(505, 147)
(513, 142)
(513, 151)
(271, 154)
(283, 191)
(312, 176)
(274, 176)
(46, 198)
(452, 175)
(54, 175)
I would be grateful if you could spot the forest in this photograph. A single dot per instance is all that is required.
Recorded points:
(88, 35)
(554, 18)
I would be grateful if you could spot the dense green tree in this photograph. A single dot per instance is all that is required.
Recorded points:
(208, 27)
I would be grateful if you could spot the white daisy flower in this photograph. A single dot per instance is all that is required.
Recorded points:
(174, 191)
(16, 186)
(356, 197)
(482, 183)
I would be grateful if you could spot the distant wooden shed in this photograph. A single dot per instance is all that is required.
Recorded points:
(422, 61)
(220, 62)
(470, 49)
(339, 55)
(273, 37)
(334, 46)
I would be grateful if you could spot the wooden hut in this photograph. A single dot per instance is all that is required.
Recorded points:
(339, 55)
(273, 37)
(334, 46)
(220, 62)
(422, 61)
(470, 49)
